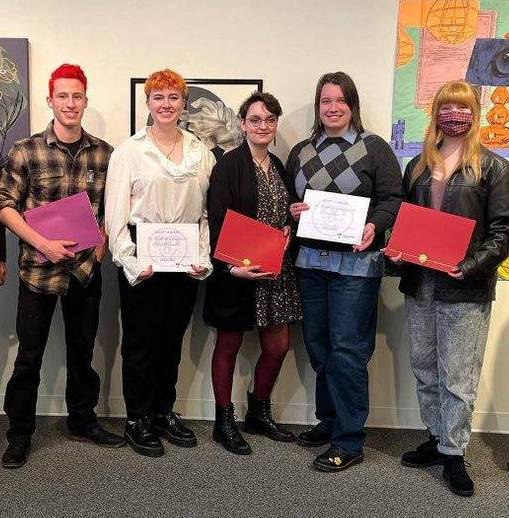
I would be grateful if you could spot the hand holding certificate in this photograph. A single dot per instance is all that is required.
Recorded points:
(167, 247)
(333, 217)
(430, 238)
(244, 241)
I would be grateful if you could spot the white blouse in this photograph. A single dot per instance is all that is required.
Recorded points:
(142, 185)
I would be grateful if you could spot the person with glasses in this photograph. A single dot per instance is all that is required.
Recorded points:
(339, 284)
(249, 180)
(449, 313)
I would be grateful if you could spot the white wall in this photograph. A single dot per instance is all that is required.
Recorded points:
(288, 44)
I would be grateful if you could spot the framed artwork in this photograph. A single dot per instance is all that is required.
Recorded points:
(211, 111)
(14, 90)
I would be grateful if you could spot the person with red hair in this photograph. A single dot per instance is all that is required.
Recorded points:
(159, 175)
(62, 160)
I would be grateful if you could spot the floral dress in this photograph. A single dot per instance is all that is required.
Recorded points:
(276, 301)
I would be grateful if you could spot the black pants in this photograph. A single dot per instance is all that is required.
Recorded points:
(80, 308)
(155, 316)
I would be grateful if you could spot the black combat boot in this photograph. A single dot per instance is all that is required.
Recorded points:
(227, 433)
(259, 421)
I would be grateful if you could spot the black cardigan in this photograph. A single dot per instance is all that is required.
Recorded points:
(229, 301)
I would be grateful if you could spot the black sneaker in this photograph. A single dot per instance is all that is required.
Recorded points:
(171, 427)
(16, 453)
(425, 455)
(456, 475)
(319, 435)
(96, 434)
(141, 439)
(336, 460)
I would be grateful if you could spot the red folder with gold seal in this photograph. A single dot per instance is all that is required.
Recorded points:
(244, 241)
(430, 237)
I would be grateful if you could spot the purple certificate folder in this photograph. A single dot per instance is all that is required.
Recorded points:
(70, 218)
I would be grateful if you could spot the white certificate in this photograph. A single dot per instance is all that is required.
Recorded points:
(333, 217)
(168, 247)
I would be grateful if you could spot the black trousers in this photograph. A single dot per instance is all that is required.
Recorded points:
(80, 309)
(155, 316)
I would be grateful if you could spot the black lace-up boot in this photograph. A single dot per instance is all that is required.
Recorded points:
(227, 433)
(259, 421)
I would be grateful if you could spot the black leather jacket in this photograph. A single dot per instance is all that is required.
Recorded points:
(488, 203)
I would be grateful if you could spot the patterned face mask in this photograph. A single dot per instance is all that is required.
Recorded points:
(454, 123)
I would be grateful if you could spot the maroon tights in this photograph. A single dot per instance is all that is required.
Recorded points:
(274, 341)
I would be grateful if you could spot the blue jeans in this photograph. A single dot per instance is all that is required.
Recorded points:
(339, 333)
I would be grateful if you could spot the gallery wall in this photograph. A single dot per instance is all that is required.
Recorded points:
(288, 44)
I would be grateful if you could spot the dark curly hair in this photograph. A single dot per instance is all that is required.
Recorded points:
(270, 102)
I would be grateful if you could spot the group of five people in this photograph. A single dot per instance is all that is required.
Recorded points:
(165, 174)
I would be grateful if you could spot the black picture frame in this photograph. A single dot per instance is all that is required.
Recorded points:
(240, 88)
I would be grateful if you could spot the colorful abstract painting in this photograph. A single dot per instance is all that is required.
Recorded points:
(443, 40)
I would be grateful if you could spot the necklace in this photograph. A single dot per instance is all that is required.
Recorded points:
(161, 147)
(261, 162)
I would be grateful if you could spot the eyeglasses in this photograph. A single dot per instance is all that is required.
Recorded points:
(256, 122)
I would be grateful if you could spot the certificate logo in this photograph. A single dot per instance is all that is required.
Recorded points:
(332, 217)
(167, 247)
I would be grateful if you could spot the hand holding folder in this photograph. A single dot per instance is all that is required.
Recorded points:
(430, 238)
(244, 241)
(71, 219)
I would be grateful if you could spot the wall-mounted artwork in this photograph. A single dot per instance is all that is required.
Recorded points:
(14, 90)
(443, 40)
(211, 111)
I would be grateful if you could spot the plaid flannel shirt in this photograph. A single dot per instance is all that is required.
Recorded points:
(40, 170)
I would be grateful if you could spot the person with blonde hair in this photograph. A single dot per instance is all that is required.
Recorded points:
(159, 175)
(449, 313)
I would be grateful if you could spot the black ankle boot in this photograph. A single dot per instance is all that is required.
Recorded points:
(456, 474)
(259, 421)
(425, 455)
(227, 433)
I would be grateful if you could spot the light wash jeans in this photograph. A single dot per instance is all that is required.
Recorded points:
(447, 349)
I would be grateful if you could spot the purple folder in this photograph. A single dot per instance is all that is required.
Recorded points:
(70, 218)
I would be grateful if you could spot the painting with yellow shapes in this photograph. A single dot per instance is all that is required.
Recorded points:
(443, 40)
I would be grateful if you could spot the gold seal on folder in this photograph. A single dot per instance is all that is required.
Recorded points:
(246, 262)
(423, 258)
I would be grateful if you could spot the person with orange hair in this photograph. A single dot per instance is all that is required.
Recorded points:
(159, 175)
(449, 313)
(62, 160)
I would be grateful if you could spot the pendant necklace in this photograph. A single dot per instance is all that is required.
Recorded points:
(158, 144)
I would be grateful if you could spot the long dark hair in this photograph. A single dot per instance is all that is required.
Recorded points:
(345, 82)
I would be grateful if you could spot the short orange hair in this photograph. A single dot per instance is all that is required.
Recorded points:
(166, 79)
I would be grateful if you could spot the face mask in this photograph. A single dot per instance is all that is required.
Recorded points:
(454, 123)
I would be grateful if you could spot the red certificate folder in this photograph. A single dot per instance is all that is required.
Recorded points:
(70, 218)
(245, 241)
(429, 237)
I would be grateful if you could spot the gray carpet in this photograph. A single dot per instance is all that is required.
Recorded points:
(69, 479)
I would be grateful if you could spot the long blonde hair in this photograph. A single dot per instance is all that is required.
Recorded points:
(454, 92)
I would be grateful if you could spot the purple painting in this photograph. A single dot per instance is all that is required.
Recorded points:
(14, 100)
